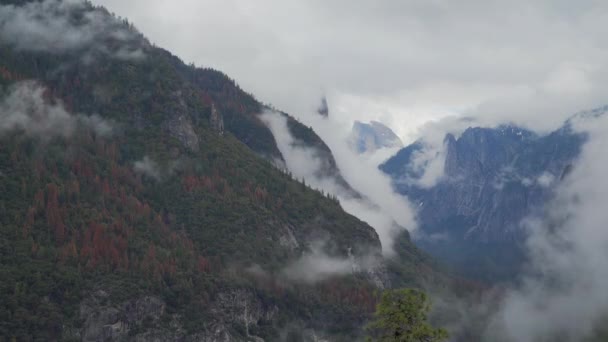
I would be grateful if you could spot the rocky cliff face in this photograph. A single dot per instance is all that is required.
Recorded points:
(145, 319)
(369, 137)
(216, 120)
(492, 180)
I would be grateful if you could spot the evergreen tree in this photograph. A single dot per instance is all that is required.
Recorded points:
(401, 315)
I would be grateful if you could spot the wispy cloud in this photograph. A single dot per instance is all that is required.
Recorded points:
(59, 26)
(148, 167)
(387, 212)
(563, 296)
(26, 109)
(316, 265)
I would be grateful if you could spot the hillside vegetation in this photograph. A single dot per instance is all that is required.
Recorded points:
(128, 211)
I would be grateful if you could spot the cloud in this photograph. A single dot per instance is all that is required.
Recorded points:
(148, 167)
(60, 26)
(25, 109)
(563, 296)
(387, 212)
(429, 163)
(317, 265)
(406, 63)
(403, 63)
(545, 179)
(152, 168)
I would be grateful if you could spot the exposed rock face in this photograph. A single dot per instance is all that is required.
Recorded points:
(377, 273)
(139, 319)
(105, 322)
(216, 120)
(288, 238)
(180, 127)
(369, 137)
(179, 122)
(493, 178)
(241, 307)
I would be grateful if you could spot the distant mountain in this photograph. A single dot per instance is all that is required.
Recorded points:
(493, 178)
(369, 137)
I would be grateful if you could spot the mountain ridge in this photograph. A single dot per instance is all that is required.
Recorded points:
(493, 178)
(127, 212)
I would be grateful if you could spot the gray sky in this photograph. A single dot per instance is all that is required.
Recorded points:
(402, 62)
(407, 62)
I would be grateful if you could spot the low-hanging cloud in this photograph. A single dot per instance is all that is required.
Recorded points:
(383, 209)
(59, 26)
(158, 169)
(25, 109)
(148, 167)
(563, 297)
(316, 265)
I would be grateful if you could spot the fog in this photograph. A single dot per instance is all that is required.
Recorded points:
(51, 26)
(25, 109)
(563, 294)
(383, 209)
(425, 68)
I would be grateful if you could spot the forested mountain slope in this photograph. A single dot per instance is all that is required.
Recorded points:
(134, 203)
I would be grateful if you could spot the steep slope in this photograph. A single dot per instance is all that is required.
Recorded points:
(240, 112)
(493, 179)
(127, 212)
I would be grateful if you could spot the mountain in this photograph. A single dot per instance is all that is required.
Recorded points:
(139, 200)
(492, 179)
(369, 137)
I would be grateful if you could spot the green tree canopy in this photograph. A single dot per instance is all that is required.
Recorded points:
(401, 315)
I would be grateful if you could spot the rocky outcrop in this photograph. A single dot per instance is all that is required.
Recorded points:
(180, 127)
(369, 137)
(179, 122)
(216, 120)
(140, 319)
(288, 239)
(106, 322)
(242, 307)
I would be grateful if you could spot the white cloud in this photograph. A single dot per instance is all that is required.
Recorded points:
(147, 167)
(417, 66)
(25, 109)
(316, 266)
(564, 295)
(545, 179)
(53, 26)
(381, 207)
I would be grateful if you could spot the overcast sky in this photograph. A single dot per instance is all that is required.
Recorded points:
(402, 62)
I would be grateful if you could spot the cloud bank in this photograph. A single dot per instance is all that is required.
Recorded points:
(563, 297)
(147, 167)
(403, 63)
(25, 109)
(406, 63)
(60, 26)
(380, 207)
(316, 265)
